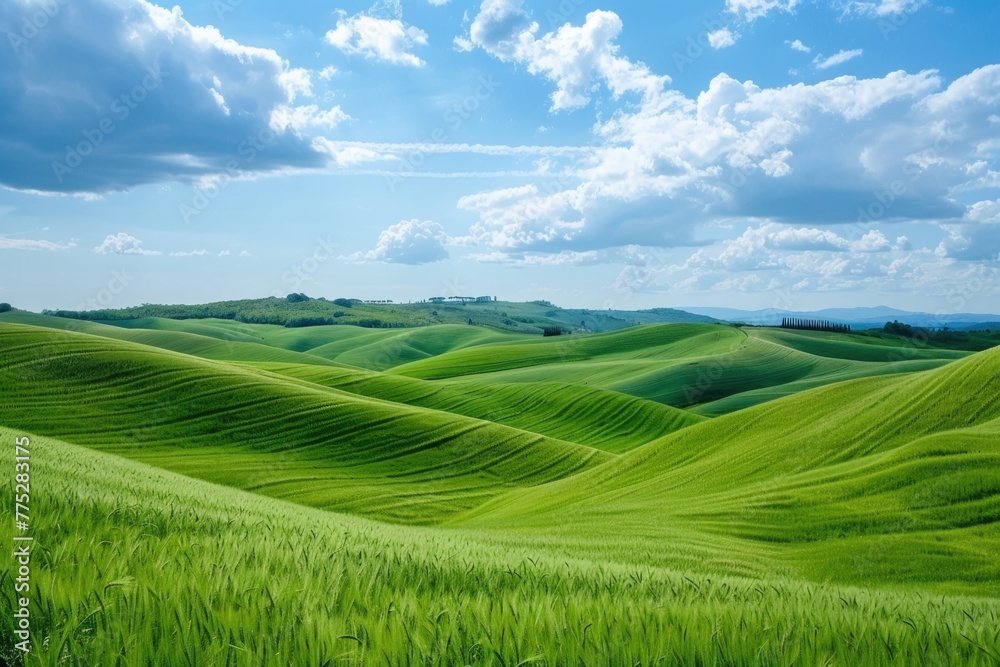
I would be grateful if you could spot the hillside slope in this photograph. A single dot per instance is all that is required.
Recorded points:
(255, 430)
(196, 338)
(717, 368)
(885, 479)
(140, 566)
(591, 416)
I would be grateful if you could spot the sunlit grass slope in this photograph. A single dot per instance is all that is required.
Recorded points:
(635, 347)
(197, 338)
(720, 368)
(892, 480)
(259, 431)
(712, 369)
(375, 349)
(600, 418)
(134, 565)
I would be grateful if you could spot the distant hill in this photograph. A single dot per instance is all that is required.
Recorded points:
(299, 310)
(869, 317)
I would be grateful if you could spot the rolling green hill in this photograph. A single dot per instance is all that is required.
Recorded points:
(215, 492)
(254, 430)
(202, 340)
(145, 567)
(711, 369)
(590, 416)
(718, 368)
(892, 479)
(299, 310)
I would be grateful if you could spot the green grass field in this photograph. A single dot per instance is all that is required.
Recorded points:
(208, 492)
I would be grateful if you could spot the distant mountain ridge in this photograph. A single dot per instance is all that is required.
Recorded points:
(863, 316)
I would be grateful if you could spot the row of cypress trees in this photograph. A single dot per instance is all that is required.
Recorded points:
(814, 325)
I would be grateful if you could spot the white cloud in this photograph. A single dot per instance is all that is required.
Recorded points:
(720, 39)
(884, 7)
(29, 244)
(192, 96)
(977, 236)
(123, 244)
(838, 58)
(343, 155)
(301, 118)
(778, 258)
(755, 9)
(223, 253)
(296, 81)
(192, 253)
(736, 151)
(750, 10)
(566, 257)
(408, 242)
(803, 238)
(873, 241)
(776, 166)
(985, 212)
(576, 59)
(817, 154)
(973, 243)
(245, 253)
(797, 45)
(497, 28)
(384, 39)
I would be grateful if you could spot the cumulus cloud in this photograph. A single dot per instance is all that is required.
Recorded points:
(577, 59)
(882, 149)
(985, 211)
(977, 236)
(817, 153)
(118, 93)
(803, 238)
(797, 45)
(873, 241)
(784, 259)
(971, 243)
(721, 38)
(123, 244)
(408, 242)
(385, 39)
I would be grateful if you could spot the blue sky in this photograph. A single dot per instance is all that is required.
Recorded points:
(741, 153)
